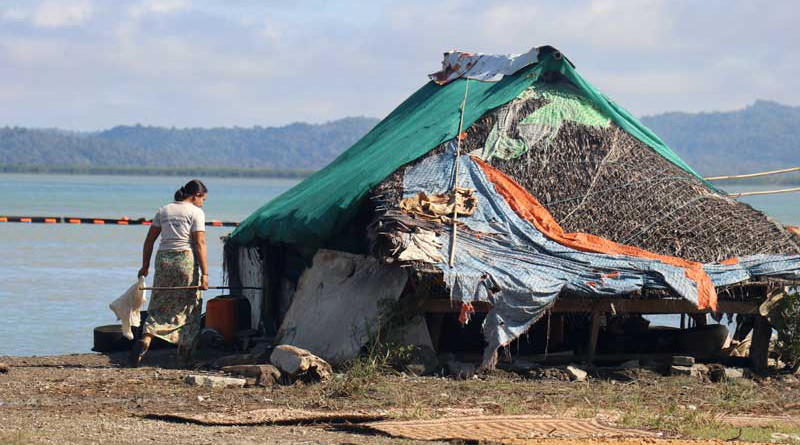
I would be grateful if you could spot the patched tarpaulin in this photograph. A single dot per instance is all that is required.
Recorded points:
(503, 259)
(315, 210)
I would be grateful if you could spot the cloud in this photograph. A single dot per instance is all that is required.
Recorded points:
(57, 14)
(159, 7)
(214, 62)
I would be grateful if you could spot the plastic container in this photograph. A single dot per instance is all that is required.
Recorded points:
(221, 315)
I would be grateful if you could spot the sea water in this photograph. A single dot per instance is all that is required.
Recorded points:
(56, 280)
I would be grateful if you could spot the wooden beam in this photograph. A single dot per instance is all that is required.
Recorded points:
(594, 332)
(759, 347)
(603, 305)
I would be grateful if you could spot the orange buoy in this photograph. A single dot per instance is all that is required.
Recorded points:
(221, 316)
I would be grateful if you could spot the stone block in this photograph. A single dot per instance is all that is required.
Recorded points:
(683, 360)
(265, 375)
(211, 381)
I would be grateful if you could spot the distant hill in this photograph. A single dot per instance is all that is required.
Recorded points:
(298, 146)
(763, 136)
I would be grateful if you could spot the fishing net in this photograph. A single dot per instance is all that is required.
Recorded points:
(596, 178)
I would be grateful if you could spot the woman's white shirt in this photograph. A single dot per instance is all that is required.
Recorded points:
(177, 221)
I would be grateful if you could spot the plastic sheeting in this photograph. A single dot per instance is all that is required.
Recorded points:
(484, 67)
(514, 134)
(521, 272)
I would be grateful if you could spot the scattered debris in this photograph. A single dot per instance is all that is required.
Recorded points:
(214, 381)
(4, 368)
(461, 370)
(577, 374)
(299, 364)
(265, 375)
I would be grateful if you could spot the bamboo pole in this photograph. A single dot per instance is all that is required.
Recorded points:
(455, 179)
(765, 192)
(753, 175)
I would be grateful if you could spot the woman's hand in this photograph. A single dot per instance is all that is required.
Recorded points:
(143, 271)
(204, 282)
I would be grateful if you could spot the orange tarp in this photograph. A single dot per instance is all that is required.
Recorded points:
(528, 207)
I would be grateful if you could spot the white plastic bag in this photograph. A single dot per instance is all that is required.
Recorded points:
(128, 306)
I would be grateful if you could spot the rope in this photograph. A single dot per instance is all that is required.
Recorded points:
(455, 178)
(766, 192)
(753, 175)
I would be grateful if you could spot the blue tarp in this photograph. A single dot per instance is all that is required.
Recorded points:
(521, 272)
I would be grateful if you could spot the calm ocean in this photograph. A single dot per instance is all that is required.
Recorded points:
(56, 280)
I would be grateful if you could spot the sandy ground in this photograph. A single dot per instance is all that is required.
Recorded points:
(93, 398)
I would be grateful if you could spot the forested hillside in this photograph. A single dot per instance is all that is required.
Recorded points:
(762, 136)
(297, 146)
(765, 135)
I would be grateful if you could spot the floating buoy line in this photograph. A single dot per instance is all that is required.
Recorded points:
(124, 221)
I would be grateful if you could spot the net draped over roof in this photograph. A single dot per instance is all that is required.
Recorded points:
(312, 211)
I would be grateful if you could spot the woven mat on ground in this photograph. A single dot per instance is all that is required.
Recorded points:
(266, 417)
(494, 428)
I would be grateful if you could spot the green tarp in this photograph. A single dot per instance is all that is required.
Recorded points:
(316, 209)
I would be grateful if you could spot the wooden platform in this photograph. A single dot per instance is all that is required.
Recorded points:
(599, 307)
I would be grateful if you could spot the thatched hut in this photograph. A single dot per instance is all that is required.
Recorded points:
(510, 186)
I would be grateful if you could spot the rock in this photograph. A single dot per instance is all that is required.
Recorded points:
(701, 369)
(214, 381)
(683, 370)
(4, 368)
(460, 370)
(682, 360)
(716, 373)
(734, 373)
(577, 374)
(265, 375)
(300, 364)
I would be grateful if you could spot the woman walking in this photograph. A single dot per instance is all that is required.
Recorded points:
(174, 315)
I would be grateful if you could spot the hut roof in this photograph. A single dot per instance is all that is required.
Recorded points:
(314, 210)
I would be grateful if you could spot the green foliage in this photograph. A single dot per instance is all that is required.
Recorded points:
(785, 318)
(297, 146)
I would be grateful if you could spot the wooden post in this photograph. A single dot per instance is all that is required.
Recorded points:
(591, 345)
(759, 347)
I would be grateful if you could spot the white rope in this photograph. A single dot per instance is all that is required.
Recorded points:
(765, 192)
(753, 175)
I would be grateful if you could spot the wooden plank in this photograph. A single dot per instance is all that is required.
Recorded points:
(603, 305)
(759, 347)
(594, 332)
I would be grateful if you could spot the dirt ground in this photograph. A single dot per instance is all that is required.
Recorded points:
(93, 398)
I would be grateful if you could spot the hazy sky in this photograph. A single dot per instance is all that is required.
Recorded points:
(92, 64)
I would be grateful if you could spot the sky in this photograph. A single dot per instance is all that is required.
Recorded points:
(93, 64)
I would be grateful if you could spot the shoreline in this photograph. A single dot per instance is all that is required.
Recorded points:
(158, 171)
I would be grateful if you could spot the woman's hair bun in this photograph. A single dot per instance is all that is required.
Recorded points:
(191, 188)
